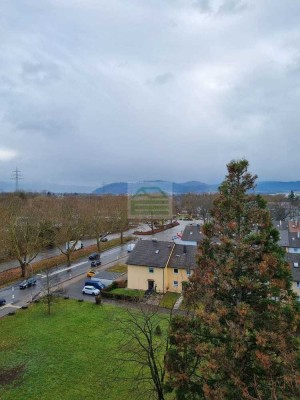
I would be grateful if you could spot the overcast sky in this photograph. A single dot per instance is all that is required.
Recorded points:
(95, 91)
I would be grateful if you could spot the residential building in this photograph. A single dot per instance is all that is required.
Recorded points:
(161, 266)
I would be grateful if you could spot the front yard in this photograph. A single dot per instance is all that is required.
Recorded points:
(67, 355)
(169, 300)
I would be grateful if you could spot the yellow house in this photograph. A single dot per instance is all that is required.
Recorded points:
(294, 261)
(161, 266)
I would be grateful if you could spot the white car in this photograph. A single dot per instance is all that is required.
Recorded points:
(90, 290)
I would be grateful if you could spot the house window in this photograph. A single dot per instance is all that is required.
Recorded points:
(175, 283)
(296, 265)
(175, 270)
(298, 285)
(151, 270)
(188, 272)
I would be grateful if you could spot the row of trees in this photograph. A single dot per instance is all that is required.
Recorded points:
(31, 223)
(195, 204)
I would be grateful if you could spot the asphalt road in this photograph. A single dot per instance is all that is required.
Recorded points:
(55, 251)
(63, 278)
(71, 280)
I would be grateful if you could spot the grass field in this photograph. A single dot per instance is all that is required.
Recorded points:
(118, 268)
(169, 300)
(67, 355)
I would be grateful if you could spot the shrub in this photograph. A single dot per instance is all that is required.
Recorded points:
(158, 331)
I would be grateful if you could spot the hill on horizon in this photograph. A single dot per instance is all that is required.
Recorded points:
(265, 187)
(177, 188)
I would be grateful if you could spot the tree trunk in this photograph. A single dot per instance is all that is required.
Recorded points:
(98, 245)
(23, 270)
(68, 259)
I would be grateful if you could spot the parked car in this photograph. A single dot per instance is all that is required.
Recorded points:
(104, 239)
(130, 247)
(95, 263)
(96, 283)
(90, 290)
(94, 256)
(27, 283)
(2, 302)
(90, 274)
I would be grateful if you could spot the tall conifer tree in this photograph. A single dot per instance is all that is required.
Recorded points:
(240, 341)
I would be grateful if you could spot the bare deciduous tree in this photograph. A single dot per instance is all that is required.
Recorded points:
(145, 333)
(71, 227)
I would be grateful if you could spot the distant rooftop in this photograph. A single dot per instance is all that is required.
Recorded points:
(192, 233)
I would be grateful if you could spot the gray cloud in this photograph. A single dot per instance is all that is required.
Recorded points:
(232, 6)
(203, 6)
(221, 84)
(39, 72)
(162, 79)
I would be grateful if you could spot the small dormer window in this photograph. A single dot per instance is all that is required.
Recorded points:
(156, 251)
(296, 265)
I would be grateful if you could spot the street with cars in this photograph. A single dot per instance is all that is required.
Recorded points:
(72, 280)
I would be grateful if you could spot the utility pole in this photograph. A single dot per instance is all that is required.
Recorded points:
(16, 176)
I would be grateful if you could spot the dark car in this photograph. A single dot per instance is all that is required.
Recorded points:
(95, 263)
(27, 283)
(2, 302)
(94, 256)
(95, 284)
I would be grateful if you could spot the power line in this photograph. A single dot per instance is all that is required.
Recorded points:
(16, 176)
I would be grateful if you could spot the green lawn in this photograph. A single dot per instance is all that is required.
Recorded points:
(169, 300)
(118, 268)
(68, 355)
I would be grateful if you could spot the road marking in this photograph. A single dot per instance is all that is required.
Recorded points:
(10, 305)
(64, 269)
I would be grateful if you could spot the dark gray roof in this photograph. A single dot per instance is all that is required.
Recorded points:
(294, 240)
(284, 238)
(150, 253)
(281, 225)
(191, 233)
(183, 257)
(293, 259)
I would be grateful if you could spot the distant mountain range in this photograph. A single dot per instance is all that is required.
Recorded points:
(270, 187)
(116, 188)
(175, 188)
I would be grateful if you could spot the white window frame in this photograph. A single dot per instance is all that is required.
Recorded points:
(151, 270)
(175, 283)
